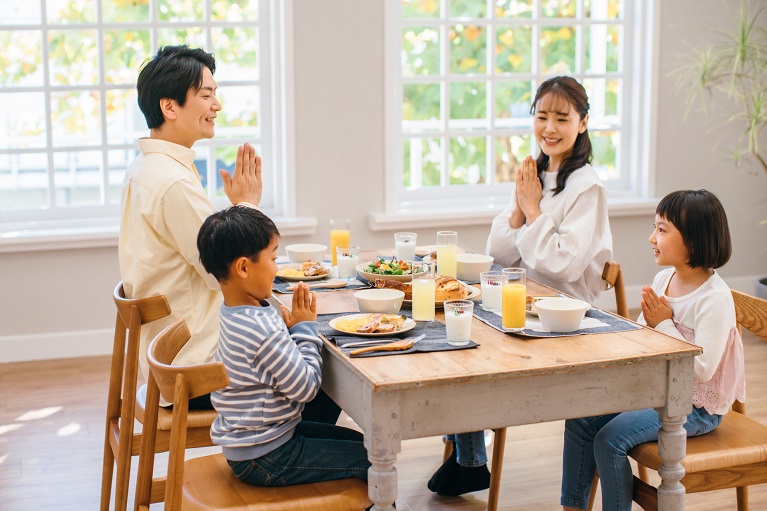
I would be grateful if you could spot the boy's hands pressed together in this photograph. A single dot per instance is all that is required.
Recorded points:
(654, 309)
(304, 306)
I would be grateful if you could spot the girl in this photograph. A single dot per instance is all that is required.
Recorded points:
(556, 227)
(689, 301)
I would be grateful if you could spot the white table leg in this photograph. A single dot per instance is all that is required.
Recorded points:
(672, 446)
(382, 482)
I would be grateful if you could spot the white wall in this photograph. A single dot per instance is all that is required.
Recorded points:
(58, 303)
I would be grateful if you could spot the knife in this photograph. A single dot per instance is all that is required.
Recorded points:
(328, 283)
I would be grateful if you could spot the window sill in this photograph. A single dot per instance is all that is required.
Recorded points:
(483, 215)
(69, 234)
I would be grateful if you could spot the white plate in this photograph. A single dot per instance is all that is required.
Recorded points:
(304, 278)
(409, 325)
(371, 277)
(474, 293)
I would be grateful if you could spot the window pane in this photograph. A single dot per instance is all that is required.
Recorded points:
(236, 53)
(75, 118)
(420, 8)
(468, 101)
(558, 8)
(21, 58)
(603, 9)
(179, 10)
(605, 145)
(234, 10)
(512, 103)
(240, 113)
(118, 164)
(603, 97)
(513, 8)
(422, 165)
(602, 48)
(557, 50)
(23, 124)
(124, 52)
(421, 102)
(468, 164)
(509, 153)
(513, 50)
(468, 8)
(120, 10)
(77, 178)
(193, 36)
(20, 12)
(71, 11)
(73, 57)
(467, 49)
(23, 181)
(420, 51)
(125, 122)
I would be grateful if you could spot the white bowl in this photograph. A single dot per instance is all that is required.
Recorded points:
(469, 266)
(306, 252)
(384, 301)
(561, 314)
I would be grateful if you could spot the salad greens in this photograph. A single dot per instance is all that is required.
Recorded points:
(394, 267)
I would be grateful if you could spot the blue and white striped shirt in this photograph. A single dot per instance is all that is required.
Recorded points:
(273, 372)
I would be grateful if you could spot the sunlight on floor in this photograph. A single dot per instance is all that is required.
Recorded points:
(39, 414)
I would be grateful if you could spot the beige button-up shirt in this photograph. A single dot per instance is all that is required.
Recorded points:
(163, 207)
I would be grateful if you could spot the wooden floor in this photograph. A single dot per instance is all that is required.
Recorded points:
(51, 438)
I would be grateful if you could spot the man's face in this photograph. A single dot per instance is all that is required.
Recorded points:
(196, 119)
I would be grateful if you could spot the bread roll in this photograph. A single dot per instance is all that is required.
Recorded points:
(393, 284)
(448, 288)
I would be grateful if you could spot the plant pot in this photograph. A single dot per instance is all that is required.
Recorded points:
(760, 288)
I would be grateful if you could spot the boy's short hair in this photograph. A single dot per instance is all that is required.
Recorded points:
(702, 222)
(238, 231)
(170, 74)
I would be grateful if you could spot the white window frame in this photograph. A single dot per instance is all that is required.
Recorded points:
(467, 205)
(81, 227)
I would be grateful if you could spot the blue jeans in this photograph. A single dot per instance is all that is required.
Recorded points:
(317, 452)
(470, 448)
(602, 443)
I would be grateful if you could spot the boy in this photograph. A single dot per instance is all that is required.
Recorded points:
(273, 362)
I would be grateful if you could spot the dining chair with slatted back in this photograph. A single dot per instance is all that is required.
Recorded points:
(614, 277)
(734, 455)
(207, 482)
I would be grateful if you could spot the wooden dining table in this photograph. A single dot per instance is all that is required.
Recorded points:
(509, 380)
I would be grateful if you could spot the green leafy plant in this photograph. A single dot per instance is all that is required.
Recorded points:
(734, 68)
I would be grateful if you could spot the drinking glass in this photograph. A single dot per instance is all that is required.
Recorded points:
(339, 236)
(458, 316)
(513, 298)
(348, 258)
(447, 244)
(404, 245)
(423, 290)
(491, 284)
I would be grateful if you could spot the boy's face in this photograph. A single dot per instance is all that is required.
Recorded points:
(261, 273)
(196, 119)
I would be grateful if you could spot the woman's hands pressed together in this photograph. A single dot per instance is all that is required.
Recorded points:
(527, 194)
(654, 309)
(245, 185)
(304, 306)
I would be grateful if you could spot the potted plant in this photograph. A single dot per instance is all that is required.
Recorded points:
(734, 70)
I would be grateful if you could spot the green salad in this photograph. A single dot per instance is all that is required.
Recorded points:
(393, 267)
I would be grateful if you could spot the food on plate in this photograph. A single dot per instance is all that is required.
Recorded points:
(529, 301)
(372, 323)
(308, 269)
(394, 267)
(445, 288)
(290, 272)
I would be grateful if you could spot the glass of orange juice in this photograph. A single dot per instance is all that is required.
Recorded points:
(339, 236)
(513, 299)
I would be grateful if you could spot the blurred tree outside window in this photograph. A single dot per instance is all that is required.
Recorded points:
(70, 121)
(465, 75)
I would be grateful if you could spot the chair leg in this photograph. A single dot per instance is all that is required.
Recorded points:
(593, 493)
(499, 444)
(449, 446)
(643, 473)
(107, 470)
(742, 492)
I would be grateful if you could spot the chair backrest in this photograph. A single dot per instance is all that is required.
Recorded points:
(751, 313)
(177, 384)
(614, 277)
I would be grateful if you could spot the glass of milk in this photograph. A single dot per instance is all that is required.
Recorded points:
(404, 245)
(348, 258)
(458, 316)
(491, 284)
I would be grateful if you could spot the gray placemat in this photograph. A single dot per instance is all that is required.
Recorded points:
(435, 340)
(614, 324)
(281, 286)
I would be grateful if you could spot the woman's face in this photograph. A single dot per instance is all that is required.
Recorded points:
(556, 126)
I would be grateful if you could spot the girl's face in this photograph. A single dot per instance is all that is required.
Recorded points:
(556, 126)
(668, 245)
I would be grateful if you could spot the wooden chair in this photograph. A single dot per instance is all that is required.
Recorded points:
(124, 403)
(734, 455)
(614, 278)
(207, 482)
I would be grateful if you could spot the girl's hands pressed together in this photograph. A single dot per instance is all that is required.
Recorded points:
(246, 184)
(304, 306)
(528, 189)
(654, 309)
